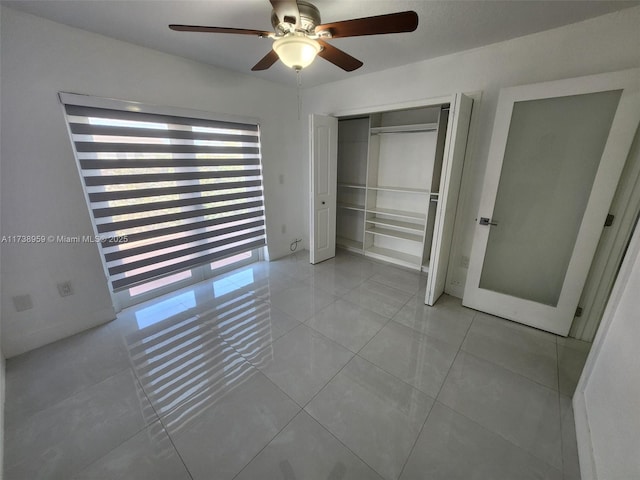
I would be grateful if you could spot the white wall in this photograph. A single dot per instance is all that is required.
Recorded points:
(2, 361)
(41, 189)
(603, 44)
(607, 399)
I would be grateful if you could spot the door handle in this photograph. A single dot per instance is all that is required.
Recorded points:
(487, 221)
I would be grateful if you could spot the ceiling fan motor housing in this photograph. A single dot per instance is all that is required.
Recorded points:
(309, 19)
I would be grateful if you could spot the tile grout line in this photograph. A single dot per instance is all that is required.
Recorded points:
(97, 459)
(341, 443)
(483, 426)
(527, 452)
(435, 399)
(164, 427)
(340, 296)
(274, 436)
(499, 434)
(513, 371)
(390, 319)
(301, 408)
(258, 372)
(338, 372)
(145, 427)
(510, 371)
(356, 354)
(29, 414)
(166, 431)
(325, 386)
(161, 417)
(560, 411)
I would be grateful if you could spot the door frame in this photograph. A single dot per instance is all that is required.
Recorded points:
(456, 145)
(452, 246)
(618, 146)
(611, 249)
(583, 433)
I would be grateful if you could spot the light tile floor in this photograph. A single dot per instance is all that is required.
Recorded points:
(288, 371)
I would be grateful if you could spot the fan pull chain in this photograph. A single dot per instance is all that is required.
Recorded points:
(299, 82)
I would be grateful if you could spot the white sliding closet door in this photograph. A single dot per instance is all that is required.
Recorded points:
(556, 155)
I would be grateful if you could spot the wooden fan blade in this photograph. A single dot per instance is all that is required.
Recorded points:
(287, 11)
(338, 57)
(197, 28)
(268, 60)
(378, 25)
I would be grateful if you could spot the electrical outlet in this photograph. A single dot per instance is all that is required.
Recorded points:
(22, 302)
(464, 261)
(456, 283)
(283, 229)
(64, 288)
(281, 179)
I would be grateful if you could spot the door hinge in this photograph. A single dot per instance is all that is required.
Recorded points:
(609, 221)
(578, 312)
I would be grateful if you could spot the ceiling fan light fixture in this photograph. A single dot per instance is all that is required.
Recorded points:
(296, 51)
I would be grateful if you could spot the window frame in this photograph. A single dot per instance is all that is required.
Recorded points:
(122, 297)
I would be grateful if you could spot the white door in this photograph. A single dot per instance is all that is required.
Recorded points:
(323, 186)
(452, 162)
(555, 159)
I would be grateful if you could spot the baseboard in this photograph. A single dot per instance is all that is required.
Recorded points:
(583, 438)
(454, 290)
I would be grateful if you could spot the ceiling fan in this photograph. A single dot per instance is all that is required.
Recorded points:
(299, 36)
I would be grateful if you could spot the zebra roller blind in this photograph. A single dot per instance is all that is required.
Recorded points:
(167, 193)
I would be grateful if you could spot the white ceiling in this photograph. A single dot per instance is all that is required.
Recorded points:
(444, 27)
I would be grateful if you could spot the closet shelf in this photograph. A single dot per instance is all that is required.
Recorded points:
(351, 206)
(352, 185)
(416, 127)
(387, 232)
(389, 222)
(398, 213)
(394, 256)
(420, 191)
(349, 244)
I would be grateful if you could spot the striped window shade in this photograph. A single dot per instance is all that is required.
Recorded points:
(167, 193)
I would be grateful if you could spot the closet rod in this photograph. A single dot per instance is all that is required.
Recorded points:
(418, 127)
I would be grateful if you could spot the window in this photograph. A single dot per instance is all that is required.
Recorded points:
(167, 192)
